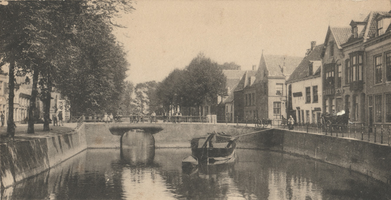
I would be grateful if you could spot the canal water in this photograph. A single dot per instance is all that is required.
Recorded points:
(157, 174)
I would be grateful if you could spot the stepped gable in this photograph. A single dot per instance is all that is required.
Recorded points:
(302, 70)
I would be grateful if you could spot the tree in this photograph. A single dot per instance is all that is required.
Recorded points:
(125, 105)
(204, 80)
(145, 97)
(36, 37)
(169, 91)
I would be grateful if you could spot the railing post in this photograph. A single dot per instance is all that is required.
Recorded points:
(307, 127)
(388, 135)
(349, 129)
(331, 129)
(381, 134)
(369, 132)
(325, 128)
(362, 131)
(374, 138)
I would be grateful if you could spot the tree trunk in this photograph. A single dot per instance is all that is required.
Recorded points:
(11, 95)
(47, 98)
(34, 93)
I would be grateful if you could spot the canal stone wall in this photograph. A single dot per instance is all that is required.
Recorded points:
(24, 158)
(370, 159)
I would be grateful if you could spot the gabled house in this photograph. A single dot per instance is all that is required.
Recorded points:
(261, 94)
(333, 63)
(365, 80)
(225, 112)
(377, 69)
(304, 88)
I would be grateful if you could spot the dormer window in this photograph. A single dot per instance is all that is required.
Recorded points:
(311, 69)
(355, 32)
(380, 30)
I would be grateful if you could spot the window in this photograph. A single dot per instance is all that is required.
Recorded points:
(308, 95)
(307, 116)
(378, 69)
(355, 108)
(279, 88)
(311, 69)
(277, 108)
(388, 66)
(380, 30)
(331, 48)
(315, 94)
(326, 109)
(378, 108)
(347, 71)
(355, 32)
(253, 98)
(388, 107)
(339, 75)
(249, 99)
(355, 70)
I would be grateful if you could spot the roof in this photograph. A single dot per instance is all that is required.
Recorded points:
(369, 30)
(341, 35)
(233, 74)
(302, 70)
(274, 63)
(248, 73)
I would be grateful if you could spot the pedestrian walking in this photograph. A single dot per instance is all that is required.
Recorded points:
(54, 118)
(111, 118)
(105, 118)
(291, 122)
(60, 123)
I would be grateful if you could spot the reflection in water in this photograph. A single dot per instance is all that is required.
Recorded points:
(138, 148)
(104, 174)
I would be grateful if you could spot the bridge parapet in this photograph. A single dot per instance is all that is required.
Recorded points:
(120, 129)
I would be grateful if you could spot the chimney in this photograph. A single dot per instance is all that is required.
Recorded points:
(313, 44)
(254, 67)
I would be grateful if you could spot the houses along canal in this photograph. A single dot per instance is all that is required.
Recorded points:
(157, 174)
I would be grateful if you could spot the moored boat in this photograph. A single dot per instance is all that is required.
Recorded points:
(213, 149)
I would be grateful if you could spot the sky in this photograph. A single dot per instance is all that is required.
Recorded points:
(163, 35)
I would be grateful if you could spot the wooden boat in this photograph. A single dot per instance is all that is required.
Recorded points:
(213, 149)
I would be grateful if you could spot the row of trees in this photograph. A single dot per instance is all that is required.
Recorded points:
(68, 45)
(198, 84)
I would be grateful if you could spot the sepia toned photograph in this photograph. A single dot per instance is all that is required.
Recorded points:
(195, 99)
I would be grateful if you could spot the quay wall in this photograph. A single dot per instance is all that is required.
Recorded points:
(25, 158)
